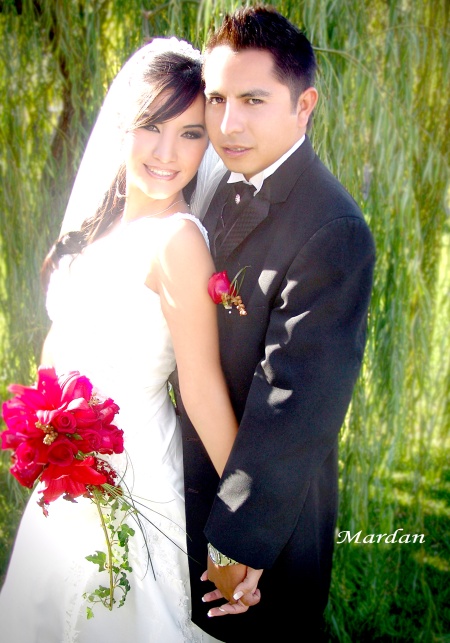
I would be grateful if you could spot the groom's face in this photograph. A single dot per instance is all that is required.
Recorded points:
(249, 114)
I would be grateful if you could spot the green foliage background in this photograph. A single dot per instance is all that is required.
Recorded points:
(382, 127)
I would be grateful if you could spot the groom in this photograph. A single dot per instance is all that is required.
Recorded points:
(291, 363)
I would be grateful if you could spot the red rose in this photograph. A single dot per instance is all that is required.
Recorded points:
(27, 476)
(46, 403)
(30, 458)
(31, 452)
(53, 429)
(219, 285)
(62, 451)
(111, 440)
(226, 292)
(52, 423)
(84, 414)
(107, 410)
(61, 420)
(90, 439)
(64, 422)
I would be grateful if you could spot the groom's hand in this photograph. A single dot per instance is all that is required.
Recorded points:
(237, 583)
(226, 578)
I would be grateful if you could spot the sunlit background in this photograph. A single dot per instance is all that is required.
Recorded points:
(382, 127)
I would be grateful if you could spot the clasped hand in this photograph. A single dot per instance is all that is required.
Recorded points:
(238, 584)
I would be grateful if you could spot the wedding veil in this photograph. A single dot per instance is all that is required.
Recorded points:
(103, 154)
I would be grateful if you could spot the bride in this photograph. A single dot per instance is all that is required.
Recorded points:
(128, 298)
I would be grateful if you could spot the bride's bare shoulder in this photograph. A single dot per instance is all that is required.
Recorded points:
(183, 228)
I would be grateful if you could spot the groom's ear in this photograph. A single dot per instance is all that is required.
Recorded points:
(305, 106)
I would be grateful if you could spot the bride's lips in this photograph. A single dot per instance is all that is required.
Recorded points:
(158, 173)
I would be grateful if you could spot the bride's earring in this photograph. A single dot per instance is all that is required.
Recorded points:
(118, 194)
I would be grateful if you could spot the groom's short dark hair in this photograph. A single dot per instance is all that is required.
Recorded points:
(262, 27)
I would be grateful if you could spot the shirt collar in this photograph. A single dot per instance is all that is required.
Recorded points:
(258, 180)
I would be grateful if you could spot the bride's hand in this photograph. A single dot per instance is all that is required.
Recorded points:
(245, 594)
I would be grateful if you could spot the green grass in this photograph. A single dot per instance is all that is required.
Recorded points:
(397, 592)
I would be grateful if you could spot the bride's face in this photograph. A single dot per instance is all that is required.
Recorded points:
(162, 158)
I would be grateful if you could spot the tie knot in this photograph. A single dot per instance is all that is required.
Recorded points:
(243, 192)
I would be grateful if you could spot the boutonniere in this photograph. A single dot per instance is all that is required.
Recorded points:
(226, 292)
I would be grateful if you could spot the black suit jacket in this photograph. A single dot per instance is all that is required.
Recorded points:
(291, 365)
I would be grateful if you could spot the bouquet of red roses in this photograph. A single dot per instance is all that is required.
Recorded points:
(58, 430)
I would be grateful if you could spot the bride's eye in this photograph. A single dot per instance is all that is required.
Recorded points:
(193, 134)
(150, 127)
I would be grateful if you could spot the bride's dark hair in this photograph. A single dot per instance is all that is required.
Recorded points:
(177, 79)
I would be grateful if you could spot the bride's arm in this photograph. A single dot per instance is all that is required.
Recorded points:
(180, 275)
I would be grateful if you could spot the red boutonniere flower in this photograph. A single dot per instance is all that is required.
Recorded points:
(226, 292)
(58, 430)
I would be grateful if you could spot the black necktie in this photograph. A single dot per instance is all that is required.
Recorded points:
(237, 203)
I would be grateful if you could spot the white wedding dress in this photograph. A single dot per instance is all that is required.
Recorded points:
(109, 326)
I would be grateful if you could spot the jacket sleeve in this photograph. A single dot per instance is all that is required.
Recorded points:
(299, 395)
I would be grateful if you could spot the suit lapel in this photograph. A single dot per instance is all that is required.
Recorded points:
(291, 171)
(215, 209)
(276, 189)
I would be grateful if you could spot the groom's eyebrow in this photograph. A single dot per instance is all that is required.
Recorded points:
(255, 93)
(251, 93)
